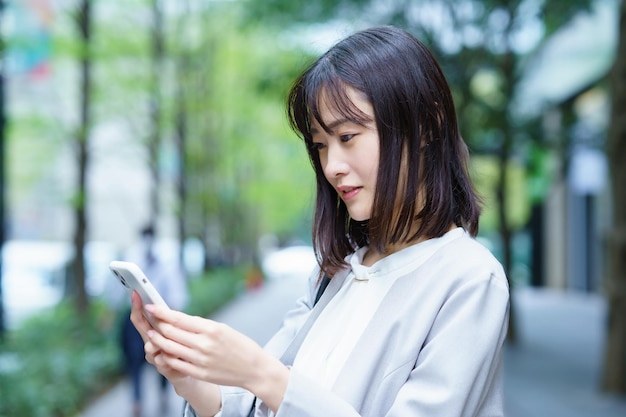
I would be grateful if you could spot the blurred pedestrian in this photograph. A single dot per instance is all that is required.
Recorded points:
(407, 312)
(168, 278)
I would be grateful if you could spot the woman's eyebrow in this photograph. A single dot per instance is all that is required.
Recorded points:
(331, 126)
(335, 124)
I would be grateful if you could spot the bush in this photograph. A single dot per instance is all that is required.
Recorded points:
(58, 361)
(211, 291)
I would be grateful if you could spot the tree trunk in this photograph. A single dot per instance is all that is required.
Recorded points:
(614, 378)
(183, 73)
(3, 131)
(181, 139)
(80, 232)
(154, 141)
(507, 66)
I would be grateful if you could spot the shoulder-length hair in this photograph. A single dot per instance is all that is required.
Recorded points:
(417, 125)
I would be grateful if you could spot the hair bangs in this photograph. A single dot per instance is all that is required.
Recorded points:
(323, 87)
(334, 96)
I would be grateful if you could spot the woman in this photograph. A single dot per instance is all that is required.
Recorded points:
(414, 315)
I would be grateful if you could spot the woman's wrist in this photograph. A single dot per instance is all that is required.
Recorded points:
(269, 382)
(204, 397)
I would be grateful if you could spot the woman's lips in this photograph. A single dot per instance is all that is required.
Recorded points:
(348, 193)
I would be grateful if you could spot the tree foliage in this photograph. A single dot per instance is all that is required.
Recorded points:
(244, 171)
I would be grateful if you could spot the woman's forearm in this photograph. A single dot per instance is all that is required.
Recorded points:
(269, 382)
(204, 397)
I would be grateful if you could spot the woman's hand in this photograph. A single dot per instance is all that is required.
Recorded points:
(144, 328)
(182, 346)
(204, 397)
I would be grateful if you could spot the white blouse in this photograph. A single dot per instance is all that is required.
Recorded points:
(338, 328)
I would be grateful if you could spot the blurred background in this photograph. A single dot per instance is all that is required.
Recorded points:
(117, 115)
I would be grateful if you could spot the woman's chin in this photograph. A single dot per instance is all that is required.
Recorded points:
(359, 217)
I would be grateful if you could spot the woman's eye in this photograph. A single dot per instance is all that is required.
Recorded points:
(316, 146)
(346, 137)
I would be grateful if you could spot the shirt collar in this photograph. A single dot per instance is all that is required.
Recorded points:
(407, 258)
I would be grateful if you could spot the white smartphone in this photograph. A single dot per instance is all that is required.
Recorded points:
(133, 279)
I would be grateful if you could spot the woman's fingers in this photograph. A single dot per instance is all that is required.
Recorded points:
(200, 348)
(169, 346)
(185, 329)
(177, 319)
(155, 345)
(178, 366)
(137, 317)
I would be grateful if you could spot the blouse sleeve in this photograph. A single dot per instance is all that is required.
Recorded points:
(235, 402)
(458, 371)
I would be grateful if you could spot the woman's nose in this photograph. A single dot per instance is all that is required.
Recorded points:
(335, 164)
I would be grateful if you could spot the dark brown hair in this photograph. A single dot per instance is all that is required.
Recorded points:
(416, 122)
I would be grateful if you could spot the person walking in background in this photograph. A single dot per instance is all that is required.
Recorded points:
(406, 313)
(168, 278)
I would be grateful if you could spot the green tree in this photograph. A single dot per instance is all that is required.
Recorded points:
(240, 171)
(118, 93)
(84, 26)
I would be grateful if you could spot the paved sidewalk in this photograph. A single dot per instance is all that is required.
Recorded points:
(553, 371)
(555, 368)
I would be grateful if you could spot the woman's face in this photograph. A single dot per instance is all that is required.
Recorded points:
(349, 154)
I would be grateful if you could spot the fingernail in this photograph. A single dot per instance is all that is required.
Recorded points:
(150, 333)
(149, 308)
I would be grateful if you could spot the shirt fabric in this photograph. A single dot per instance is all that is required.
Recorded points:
(339, 326)
(432, 347)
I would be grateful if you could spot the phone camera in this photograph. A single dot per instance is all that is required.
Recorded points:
(121, 278)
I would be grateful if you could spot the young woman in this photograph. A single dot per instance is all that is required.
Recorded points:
(414, 311)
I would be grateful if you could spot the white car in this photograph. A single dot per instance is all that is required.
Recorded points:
(32, 277)
(291, 262)
(34, 274)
